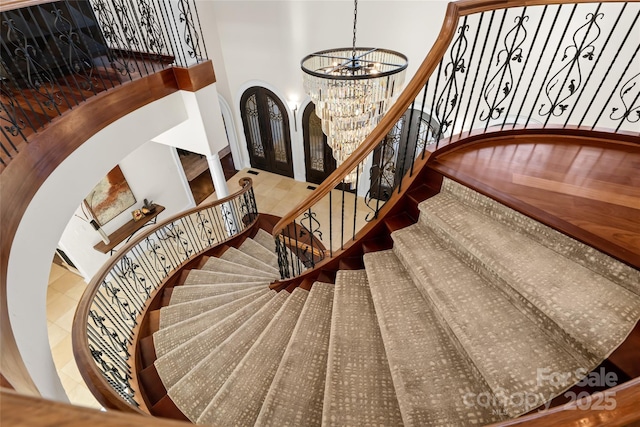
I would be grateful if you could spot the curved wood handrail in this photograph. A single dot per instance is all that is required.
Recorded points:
(454, 12)
(95, 381)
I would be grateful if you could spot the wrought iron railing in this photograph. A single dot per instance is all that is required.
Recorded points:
(110, 310)
(495, 67)
(55, 55)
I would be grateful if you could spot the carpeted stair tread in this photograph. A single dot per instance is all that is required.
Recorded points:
(256, 250)
(182, 294)
(172, 336)
(235, 255)
(431, 378)
(204, 277)
(239, 400)
(178, 362)
(266, 240)
(482, 317)
(297, 390)
(359, 389)
(594, 312)
(224, 266)
(177, 312)
(584, 255)
(195, 390)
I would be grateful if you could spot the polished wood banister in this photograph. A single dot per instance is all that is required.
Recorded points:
(103, 392)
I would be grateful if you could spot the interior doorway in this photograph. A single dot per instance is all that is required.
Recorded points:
(318, 158)
(266, 128)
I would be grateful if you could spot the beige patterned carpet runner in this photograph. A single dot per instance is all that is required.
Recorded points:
(464, 322)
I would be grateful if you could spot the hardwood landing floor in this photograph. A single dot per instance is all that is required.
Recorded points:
(590, 192)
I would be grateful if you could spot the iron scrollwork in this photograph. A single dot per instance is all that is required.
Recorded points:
(500, 85)
(121, 344)
(630, 97)
(283, 259)
(148, 21)
(191, 37)
(8, 111)
(118, 380)
(111, 33)
(448, 99)
(570, 74)
(38, 78)
(77, 59)
(127, 313)
(129, 271)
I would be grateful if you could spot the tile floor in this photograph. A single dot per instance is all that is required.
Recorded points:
(275, 194)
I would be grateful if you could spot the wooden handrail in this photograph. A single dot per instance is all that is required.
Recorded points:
(103, 392)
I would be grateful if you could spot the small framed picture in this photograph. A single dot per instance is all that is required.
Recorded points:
(137, 214)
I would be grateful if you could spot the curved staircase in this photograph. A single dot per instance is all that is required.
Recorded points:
(471, 318)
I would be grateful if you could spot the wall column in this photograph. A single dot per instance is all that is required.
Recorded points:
(217, 176)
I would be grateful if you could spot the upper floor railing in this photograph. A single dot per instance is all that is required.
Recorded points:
(496, 66)
(108, 314)
(55, 55)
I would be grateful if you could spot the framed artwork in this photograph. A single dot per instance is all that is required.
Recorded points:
(110, 197)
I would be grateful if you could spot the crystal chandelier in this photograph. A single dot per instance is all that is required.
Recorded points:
(352, 88)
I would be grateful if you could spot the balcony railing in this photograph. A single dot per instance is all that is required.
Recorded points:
(54, 56)
(496, 67)
(109, 312)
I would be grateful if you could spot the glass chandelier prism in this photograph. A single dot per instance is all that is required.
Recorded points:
(352, 88)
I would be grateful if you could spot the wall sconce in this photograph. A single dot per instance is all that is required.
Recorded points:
(293, 104)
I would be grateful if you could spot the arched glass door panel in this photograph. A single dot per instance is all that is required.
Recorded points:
(266, 128)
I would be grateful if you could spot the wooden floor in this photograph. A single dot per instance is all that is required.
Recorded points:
(590, 192)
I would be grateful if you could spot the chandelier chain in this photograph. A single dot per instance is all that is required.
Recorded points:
(355, 21)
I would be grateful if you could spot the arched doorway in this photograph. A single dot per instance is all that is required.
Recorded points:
(318, 158)
(266, 128)
(392, 158)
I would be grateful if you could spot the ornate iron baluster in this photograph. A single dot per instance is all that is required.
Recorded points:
(205, 229)
(571, 72)
(455, 67)
(629, 96)
(283, 261)
(159, 257)
(117, 342)
(111, 32)
(191, 37)
(9, 113)
(38, 78)
(154, 38)
(125, 310)
(501, 83)
(128, 271)
(77, 59)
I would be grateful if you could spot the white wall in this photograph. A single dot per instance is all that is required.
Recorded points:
(153, 172)
(203, 132)
(46, 217)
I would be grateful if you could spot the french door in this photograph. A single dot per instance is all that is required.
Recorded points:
(266, 128)
(318, 158)
(393, 157)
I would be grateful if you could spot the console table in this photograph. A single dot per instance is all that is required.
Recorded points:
(127, 230)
